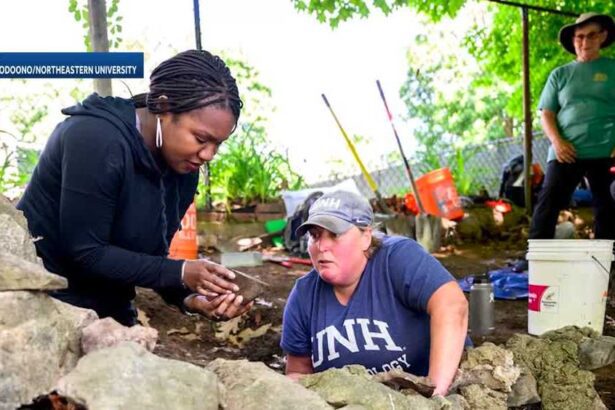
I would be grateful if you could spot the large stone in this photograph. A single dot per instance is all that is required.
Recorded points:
(399, 380)
(594, 350)
(127, 376)
(483, 398)
(17, 273)
(14, 235)
(252, 385)
(353, 385)
(458, 402)
(553, 360)
(570, 333)
(39, 343)
(490, 366)
(596, 353)
(524, 391)
(107, 332)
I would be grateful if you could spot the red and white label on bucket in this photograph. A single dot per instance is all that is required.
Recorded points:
(543, 298)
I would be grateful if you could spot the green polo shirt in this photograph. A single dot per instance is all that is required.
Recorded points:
(583, 97)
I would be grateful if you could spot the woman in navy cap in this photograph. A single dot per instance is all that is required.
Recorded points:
(378, 301)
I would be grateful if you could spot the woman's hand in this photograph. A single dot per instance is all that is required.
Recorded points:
(208, 278)
(222, 307)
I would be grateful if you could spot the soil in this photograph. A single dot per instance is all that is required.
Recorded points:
(193, 339)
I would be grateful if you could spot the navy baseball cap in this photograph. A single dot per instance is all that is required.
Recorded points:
(338, 212)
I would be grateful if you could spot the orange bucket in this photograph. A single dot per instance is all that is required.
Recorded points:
(439, 195)
(184, 244)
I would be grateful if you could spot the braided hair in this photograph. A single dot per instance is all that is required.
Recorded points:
(190, 80)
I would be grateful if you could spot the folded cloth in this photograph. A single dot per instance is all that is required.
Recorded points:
(507, 284)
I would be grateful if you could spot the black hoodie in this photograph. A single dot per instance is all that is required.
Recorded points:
(105, 211)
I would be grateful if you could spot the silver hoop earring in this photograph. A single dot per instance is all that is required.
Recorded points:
(158, 133)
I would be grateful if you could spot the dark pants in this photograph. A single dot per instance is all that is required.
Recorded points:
(560, 182)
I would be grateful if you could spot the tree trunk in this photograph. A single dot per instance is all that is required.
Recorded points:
(97, 10)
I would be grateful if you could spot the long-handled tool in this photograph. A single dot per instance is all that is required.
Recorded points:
(428, 227)
(366, 175)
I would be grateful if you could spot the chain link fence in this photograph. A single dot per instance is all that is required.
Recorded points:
(482, 164)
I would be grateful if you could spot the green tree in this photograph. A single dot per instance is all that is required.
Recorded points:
(248, 169)
(485, 60)
(333, 12)
(496, 42)
(79, 10)
(19, 150)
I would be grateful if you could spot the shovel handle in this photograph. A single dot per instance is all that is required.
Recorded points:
(417, 197)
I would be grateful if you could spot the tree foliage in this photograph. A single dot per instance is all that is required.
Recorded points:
(248, 169)
(466, 87)
(495, 43)
(499, 47)
(79, 10)
(334, 12)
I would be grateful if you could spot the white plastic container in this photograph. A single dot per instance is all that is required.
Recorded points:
(568, 283)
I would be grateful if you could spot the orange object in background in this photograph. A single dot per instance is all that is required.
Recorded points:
(410, 203)
(500, 205)
(184, 244)
(439, 194)
(537, 174)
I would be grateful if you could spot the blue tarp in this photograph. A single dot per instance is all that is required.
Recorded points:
(506, 283)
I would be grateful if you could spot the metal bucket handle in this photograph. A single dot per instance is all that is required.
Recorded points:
(608, 273)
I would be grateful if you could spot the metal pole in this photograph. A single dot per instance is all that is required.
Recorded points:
(535, 8)
(207, 172)
(527, 114)
(197, 24)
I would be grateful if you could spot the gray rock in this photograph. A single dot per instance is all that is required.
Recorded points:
(488, 365)
(39, 343)
(483, 398)
(127, 376)
(596, 353)
(353, 385)
(107, 332)
(20, 274)
(398, 379)
(553, 360)
(524, 391)
(458, 402)
(252, 385)
(14, 235)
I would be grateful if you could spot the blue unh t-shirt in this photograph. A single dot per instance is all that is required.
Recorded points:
(384, 325)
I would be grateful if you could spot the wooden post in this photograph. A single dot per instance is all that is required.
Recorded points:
(527, 114)
(97, 11)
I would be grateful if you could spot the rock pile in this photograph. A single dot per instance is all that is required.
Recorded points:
(51, 350)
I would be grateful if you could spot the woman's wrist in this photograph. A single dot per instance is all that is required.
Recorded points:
(187, 309)
(183, 272)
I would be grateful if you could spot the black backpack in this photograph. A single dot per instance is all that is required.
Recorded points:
(298, 245)
(512, 183)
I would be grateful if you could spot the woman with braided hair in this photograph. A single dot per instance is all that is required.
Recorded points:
(114, 181)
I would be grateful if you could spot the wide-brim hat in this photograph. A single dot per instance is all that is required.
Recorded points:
(566, 33)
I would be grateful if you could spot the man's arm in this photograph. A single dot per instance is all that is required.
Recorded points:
(564, 150)
(448, 311)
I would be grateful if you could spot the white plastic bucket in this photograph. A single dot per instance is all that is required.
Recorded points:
(568, 283)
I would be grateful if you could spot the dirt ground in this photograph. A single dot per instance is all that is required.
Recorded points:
(192, 339)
